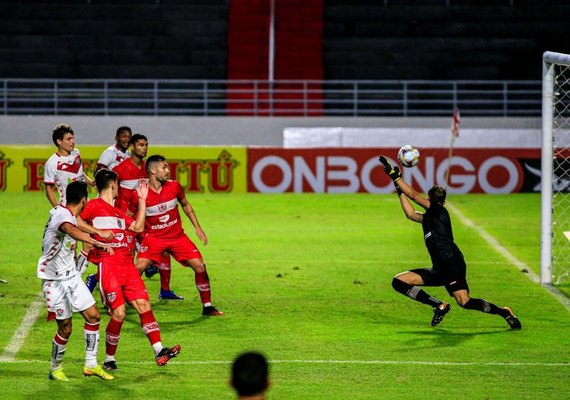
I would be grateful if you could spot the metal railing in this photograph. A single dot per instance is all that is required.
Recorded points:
(262, 98)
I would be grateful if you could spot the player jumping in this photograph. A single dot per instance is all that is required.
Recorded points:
(449, 268)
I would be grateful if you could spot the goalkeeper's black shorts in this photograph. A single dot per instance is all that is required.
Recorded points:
(452, 275)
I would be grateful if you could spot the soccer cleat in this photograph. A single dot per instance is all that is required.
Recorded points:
(439, 313)
(91, 282)
(166, 354)
(97, 371)
(58, 375)
(169, 295)
(151, 271)
(110, 365)
(512, 319)
(211, 311)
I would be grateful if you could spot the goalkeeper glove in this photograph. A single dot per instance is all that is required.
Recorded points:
(393, 172)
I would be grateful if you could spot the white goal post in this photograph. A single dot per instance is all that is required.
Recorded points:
(555, 200)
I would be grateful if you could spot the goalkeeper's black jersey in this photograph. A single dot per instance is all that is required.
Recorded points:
(438, 235)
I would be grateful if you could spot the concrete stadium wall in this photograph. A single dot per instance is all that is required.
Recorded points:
(269, 131)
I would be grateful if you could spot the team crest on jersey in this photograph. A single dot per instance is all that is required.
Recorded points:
(111, 297)
(59, 311)
(143, 249)
(164, 218)
(120, 223)
(119, 236)
(130, 239)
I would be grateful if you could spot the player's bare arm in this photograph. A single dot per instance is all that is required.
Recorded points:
(142, 193)
(189, 211)
(78, 234)
(89, 181)
(412, 194)
(409, 209)
(51, 194)
(85, 227)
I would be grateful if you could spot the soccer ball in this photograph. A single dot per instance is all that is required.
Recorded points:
(408, 156)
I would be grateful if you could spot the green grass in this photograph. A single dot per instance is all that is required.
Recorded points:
(306, 280)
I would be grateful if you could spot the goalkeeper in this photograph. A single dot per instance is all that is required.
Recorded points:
(448, 267)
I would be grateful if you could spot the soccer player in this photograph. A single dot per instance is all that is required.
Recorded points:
(120, 281)
(448, 265)
(62, 286)
(64, 166)
(129, 172)
(164, 231)
(118, 152)
(249, 378)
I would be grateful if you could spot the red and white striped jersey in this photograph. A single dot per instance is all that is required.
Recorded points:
(112, 156)
(101, 215)
(62, 170)
(57, 261)
(128, 176)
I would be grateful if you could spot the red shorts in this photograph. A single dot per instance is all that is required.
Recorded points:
(181, 248)
(120, 282)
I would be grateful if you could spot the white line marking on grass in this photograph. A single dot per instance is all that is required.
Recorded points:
(507, 254)
(21, 333)
(355, 362)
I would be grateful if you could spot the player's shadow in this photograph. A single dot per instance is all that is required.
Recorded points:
(441, 337)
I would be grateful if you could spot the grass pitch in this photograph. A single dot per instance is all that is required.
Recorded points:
(306, 280)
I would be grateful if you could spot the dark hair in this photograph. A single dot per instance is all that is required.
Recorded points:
(103, 179)
(249, 373)
(136, 137)
(437, 194)
(123, 128)
(153, 159)
(59, 131)
(75, 192)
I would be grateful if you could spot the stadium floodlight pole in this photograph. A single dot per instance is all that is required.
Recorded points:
(549, 61)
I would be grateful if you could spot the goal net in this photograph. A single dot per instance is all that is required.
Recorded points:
(555, 229)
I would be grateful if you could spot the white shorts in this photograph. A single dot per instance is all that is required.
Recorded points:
(63, 298)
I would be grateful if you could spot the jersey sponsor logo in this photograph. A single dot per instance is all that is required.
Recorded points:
(163, 226)
(119, 236)
(164, 218)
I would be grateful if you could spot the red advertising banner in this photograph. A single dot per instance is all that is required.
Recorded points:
(352, 170)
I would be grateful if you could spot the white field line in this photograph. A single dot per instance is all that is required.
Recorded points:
(21, 333)
(349, 362)
(521, 266)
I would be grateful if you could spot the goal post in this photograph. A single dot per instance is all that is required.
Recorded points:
(555, 165)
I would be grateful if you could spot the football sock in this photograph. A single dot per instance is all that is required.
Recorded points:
(91, 335)
(57, 351)
(414, 292)
(486, 307)
(165, 278)
(112, 336)
(150, 326)
(203, 286)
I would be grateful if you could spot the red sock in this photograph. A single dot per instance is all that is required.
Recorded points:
(112, 336)
(150, 327)
(203, 286)
(165, 276)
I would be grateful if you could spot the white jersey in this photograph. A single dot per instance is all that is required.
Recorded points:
(62, 170)
(57, 261)
(112, 156)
